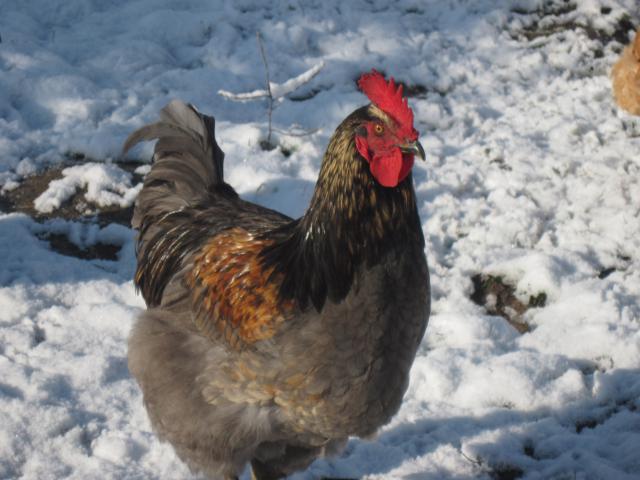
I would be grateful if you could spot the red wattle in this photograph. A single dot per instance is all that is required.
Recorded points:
(390, 169)
(387, 168)
(407, 164)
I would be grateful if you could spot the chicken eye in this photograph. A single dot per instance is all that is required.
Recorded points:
(378, 129)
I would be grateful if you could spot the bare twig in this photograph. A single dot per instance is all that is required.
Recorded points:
(475, 462)
(278, 90)
(269, 95)
(274, 93)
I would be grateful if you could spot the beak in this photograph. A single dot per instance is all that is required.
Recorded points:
(414, 148)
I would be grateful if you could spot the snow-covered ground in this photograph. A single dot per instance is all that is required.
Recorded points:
(533, 175)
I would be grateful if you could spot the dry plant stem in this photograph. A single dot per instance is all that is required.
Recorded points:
(475, 462)
(266, 69)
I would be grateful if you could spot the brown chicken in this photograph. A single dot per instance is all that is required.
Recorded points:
(626, 78)
(269, 340)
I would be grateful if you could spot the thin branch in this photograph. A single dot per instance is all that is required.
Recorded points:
(274, 93)
(475, 462)
(281, 89)
(278, 90)
(270, 96)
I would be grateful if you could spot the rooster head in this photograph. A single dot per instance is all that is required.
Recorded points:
(386, 138)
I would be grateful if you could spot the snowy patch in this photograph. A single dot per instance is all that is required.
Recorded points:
(532, 174)
(105, 185)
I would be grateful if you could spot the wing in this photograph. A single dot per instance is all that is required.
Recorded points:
(166, 250)
(234, 297)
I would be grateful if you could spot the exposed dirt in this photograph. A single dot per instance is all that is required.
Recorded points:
(498, 471)
(555, 17)
(498, 298)
(607, 414)
(506, 472)
(77, 208)
(61, 244)
(606, 271)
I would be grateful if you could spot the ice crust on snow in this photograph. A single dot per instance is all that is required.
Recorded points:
(533, 175)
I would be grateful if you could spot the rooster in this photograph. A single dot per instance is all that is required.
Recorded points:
(626, 78)
(268, 340)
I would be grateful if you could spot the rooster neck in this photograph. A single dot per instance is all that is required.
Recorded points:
(353, 213)
(352, 222)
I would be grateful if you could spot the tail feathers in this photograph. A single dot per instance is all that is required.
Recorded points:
(188, 163)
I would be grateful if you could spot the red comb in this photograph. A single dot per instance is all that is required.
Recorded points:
(389, 99)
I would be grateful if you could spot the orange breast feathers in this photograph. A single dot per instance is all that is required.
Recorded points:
(234, 297)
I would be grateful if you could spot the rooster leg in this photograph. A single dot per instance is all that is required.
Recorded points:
(262, 471)
(283, 461)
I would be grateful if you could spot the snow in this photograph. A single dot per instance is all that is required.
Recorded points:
(105, 185)
(532, 174)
